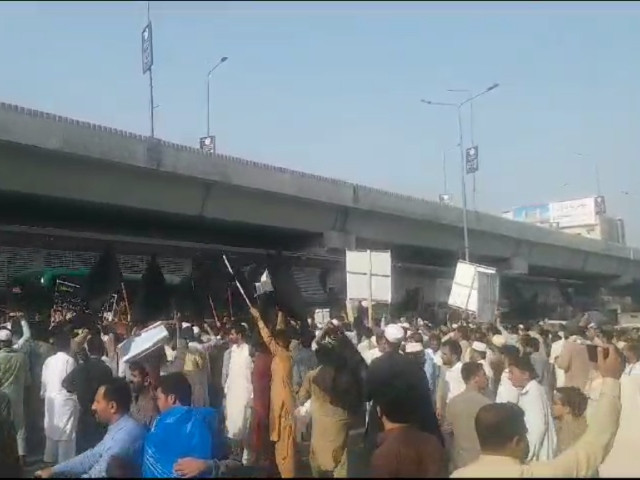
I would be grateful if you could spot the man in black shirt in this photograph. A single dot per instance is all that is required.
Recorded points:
(84, 381)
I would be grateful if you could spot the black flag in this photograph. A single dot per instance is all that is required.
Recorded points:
(153, 301)
(105, 279)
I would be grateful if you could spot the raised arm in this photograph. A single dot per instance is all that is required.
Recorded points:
(585, 456)
(26, 334)
(271, 343)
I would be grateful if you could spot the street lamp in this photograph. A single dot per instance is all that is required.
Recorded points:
(469, 94)
(220, 62)
(458, 107)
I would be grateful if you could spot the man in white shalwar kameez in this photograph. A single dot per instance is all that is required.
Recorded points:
(60, 407)
(506, 392)
(541, 432)
(238, 389)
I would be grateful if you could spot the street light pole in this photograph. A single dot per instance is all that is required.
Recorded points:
(465, 218)
(597, 172)
(220, 62)
(458, 107)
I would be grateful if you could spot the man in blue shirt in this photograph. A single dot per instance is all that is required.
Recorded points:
(124, 438)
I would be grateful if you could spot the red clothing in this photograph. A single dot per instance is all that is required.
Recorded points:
(406, 452)
(261, 444)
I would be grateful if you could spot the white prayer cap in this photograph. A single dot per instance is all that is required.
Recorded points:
(479, 346)
(5, 335)
(413, 347)
(335, 322)
(521, 327)
(498, 340)
(394, 333)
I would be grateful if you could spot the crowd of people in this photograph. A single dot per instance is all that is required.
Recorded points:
(461, 400)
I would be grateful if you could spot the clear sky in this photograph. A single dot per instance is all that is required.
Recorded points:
(335, 88)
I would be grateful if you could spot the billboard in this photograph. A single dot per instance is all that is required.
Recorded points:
(570, 213)
(574, 213)
(533, 213)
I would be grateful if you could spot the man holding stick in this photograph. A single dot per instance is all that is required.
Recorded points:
(281, 421)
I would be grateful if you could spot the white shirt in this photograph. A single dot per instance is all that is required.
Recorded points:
(61, 407)
(506, 393)
(453, 381)
(366, 345)
(556, 350)
(437, 356)
(371, 355)
(238, 390)
(541, 431)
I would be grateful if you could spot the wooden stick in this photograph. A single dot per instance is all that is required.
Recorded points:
(213, 309)
(126, 301)
(246, 299)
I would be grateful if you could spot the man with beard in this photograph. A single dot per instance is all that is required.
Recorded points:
(143, 405)
(380, 374)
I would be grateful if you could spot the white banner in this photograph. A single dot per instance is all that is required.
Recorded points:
(369, 275)
(574, 213)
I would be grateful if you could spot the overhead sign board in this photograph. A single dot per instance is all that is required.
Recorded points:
(471, 159)
(208, 144)
(147, 48)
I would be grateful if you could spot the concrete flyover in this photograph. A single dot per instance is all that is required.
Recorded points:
(48, 156)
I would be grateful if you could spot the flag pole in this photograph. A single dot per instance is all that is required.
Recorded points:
(213, 309)
(244, 295)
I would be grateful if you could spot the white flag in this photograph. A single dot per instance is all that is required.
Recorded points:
(264, 286)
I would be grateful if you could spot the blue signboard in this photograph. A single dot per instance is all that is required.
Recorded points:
(533, 213)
